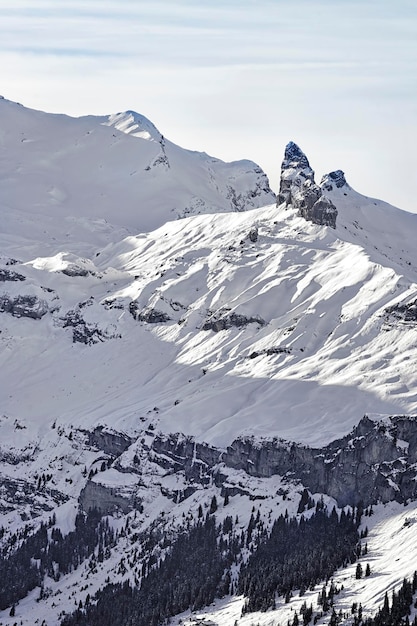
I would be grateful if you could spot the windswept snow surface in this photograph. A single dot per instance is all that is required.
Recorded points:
(320, 349)
(273, 325)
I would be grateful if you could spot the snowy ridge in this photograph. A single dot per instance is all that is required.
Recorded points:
(132, 123)
(75, 183)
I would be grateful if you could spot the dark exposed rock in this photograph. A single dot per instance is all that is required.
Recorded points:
(84, 332)
(106, 499)
(81, 331)
(113, 303)
(253, 234)
(96, 495)
(237, 202)
(6, 275)
(270, 352)
(19, 495)
(333, 179)
(75, 270)
(23, 306)
(179, 453)
(366, 466)
(161, 159)
(150, 316)
(295, 157)
(298, 189)
(374, 463)
(295, 171)
(112, 443)
(179, 495)
(405, 312)
(9, 261)
(174, 453)
(224, 321)
(305, 197)
(323, 212)
(261, 186)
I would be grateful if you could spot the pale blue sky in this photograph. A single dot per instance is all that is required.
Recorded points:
(234, 79)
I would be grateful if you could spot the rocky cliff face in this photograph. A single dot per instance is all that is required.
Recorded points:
(298, 189)
(376, 462)
(105, 499)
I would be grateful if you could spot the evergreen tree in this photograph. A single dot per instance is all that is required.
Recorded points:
(297, 555)
(213, 505)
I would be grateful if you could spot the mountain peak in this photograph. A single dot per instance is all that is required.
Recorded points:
(333, 179)
(294, 156)
(299, 189)
(134, 124)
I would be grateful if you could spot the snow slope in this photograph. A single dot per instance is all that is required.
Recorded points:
(321, 351)
(75, 183)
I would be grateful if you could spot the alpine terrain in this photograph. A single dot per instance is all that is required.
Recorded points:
(208, 392)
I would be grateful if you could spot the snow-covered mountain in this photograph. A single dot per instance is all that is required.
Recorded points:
(177, 356)
(75, 183)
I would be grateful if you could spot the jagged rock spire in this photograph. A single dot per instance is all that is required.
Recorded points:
(294, 155)
(295, 170)
(298, 189)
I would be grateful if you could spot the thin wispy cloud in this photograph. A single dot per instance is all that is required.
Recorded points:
(239, 82)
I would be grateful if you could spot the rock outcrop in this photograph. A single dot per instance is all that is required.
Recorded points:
(179, 453)
(85, 332)
(223, 321)
(106, 499)
(295, 170)
(148, 315)
(112, 443)
(333, 179)
(9, 275)
(406, 312)
(75, 270)
(24, 306)
(376, 462)
(298, 189)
